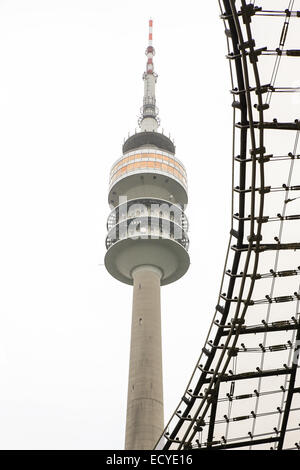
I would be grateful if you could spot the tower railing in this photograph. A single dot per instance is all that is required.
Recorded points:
(152, 207)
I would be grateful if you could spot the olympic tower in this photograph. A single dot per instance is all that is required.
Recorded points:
(147, 247)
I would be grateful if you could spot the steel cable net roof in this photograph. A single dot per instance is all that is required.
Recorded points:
(244, 392)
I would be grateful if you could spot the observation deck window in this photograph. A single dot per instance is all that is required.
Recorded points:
(148, 160)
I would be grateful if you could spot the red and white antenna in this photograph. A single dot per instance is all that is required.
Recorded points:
(149, 120)
(150, 32)
(150, 52)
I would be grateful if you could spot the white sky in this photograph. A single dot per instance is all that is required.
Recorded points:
(70, 91)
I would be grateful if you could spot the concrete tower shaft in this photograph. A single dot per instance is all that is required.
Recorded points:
(145, 392)
(147, 247)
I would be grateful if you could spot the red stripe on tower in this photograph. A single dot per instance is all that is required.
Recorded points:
(150, 31)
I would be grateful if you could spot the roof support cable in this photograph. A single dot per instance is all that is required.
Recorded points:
(270, 13)
(248, 395)
(279, 50)
(230, 396)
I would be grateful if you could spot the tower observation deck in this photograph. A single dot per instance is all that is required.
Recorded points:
(147, 246)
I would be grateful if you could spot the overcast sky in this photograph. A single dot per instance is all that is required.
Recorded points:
(70, 91)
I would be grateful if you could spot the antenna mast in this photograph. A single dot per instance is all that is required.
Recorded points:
(149, 120)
